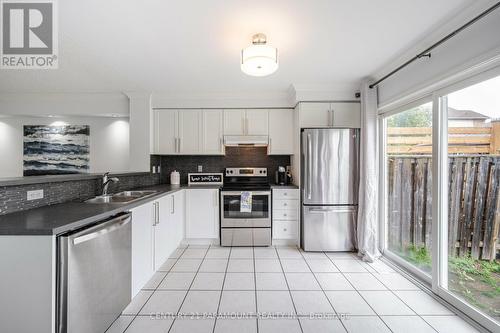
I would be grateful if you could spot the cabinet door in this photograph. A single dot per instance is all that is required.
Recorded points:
(202, 213)
(346, 115)
(165, 131)
(280, 132)
(142, 246)
(162, 240)
(213, 125)
(178, 217)
(234, 122)
(315, 115)
(189, 131)
(256, 122)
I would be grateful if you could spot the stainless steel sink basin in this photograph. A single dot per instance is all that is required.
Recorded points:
(120, 197)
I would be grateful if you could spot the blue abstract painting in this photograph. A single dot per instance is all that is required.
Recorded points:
(56, 150)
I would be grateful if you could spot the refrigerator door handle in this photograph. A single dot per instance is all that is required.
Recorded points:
(309, 164)
(331, 209)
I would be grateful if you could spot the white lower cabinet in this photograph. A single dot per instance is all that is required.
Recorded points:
(286, 214)
(202, 213)
(142, 246)
(157, 230)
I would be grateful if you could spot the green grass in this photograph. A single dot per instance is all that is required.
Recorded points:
(477, 281)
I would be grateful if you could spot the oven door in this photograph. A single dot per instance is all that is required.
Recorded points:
(233, 217)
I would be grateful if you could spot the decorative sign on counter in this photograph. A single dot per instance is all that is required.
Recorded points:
(205, 178)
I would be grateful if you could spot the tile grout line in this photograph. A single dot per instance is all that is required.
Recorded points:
(139, 311)
(359, 292)
(289, 291)
(222, 288)
(397, 296)
(319, 284)
(255, 284)
(189, 288)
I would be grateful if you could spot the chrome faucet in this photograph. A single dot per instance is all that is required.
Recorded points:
(105, 183)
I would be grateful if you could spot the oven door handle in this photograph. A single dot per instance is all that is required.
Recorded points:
(239, 192)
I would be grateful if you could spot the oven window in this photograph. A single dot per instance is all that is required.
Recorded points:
(260, 207)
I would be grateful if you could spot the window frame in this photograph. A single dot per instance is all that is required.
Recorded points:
(438, 280)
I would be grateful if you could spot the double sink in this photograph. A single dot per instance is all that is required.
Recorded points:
(121, 197)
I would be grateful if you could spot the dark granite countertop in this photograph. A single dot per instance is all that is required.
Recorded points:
(60, 218)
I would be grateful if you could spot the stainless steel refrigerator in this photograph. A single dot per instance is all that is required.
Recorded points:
(330, 177)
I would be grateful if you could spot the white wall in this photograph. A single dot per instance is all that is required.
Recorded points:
(140, 131)
(64, 104)
(109, 142)
(472, 46)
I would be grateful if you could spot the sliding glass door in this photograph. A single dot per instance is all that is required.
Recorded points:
(408, 146)
(441, 194)
(473, 264)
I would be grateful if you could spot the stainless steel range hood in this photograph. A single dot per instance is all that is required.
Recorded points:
(246, 140)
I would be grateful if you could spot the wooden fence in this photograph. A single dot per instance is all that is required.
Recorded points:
(473, 205)
(463, 140)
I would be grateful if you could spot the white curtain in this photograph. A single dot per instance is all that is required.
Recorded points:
(367, 229)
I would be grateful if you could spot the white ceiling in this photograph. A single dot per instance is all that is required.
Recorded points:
(189, 46)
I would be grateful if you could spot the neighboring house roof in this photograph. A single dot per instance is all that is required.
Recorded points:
(455, 114)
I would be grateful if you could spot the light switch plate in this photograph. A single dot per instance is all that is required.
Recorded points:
(154, 169)
(34, 195)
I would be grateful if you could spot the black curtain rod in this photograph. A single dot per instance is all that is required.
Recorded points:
(426, 52)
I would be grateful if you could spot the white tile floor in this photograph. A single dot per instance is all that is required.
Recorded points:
(281, 289)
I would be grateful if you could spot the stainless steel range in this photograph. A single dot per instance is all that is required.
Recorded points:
(246, 208)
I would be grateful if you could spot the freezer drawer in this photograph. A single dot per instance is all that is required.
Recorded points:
(245, 236)
(329, 228)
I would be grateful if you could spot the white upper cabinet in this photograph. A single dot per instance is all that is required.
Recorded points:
(315, 115)
(165, 131)
(256, 122)
(281, 132)
(346, 114)
(188, 132)
(246, 122)
(335, 114)
(234, 122)
(190, 135)
(213, 132)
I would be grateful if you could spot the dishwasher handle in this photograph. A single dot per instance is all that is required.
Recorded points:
(101, 229)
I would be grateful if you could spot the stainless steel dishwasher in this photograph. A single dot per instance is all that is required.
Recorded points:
(94, 275)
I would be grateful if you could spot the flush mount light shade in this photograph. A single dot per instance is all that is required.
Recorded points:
(259, 59)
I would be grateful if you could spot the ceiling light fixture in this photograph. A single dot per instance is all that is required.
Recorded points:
(259, 59)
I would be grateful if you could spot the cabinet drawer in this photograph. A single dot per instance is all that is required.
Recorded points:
(285, 214)
(285, 230)
(285, 204)
(286, 194)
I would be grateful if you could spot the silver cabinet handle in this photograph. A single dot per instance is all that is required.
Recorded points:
(154, 214)
(157, 213)
(172, 211)
(107, 227)
(333, 117)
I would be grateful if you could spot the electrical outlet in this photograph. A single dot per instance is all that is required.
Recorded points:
(200, 168)
(154, 169)
(158, 169)
(34, 195)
